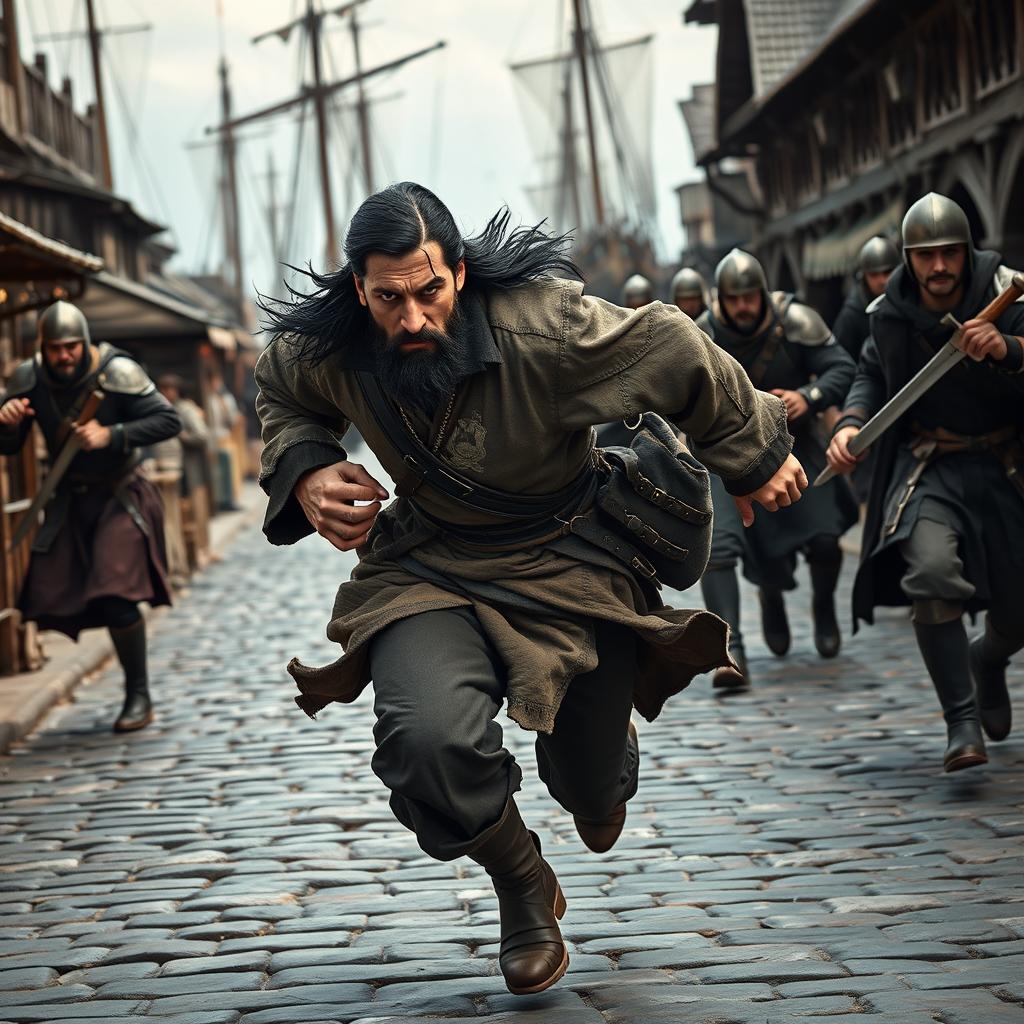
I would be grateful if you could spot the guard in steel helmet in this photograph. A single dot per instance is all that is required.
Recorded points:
(786, 349)
(877, 260)
(946, 509)
(637, 292)
(100, 550)
(689, 292)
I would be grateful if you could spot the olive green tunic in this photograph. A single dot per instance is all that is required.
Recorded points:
(552, 362)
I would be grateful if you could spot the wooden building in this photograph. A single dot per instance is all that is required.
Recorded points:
(64, 233)
(852, 109)
(719, 211)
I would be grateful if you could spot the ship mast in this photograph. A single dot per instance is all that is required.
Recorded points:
(580, 42)
(319, 92)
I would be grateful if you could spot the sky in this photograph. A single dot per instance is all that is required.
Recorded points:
(451, 120)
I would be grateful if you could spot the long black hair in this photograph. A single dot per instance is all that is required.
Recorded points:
(395, 221)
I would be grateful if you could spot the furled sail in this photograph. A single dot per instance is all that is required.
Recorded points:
(550, 94)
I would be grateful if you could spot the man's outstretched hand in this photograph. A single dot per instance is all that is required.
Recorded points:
(783, 489)
(328, 497)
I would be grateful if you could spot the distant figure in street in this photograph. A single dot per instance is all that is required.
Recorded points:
(782, 344)
(877, 260)
(946, 511)
(637, 292)
(689, 292)
(194, 438)
(224, 414)
(476, 585)
(100, 550)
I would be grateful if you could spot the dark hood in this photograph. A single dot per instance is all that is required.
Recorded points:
(902, 300)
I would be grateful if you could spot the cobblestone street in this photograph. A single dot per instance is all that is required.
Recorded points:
(794, 851)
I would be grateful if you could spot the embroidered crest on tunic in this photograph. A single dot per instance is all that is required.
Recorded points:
(466, 448)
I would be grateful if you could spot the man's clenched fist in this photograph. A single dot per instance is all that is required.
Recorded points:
(92, 435)
(14, 411)
(783, 489)
(328, 497)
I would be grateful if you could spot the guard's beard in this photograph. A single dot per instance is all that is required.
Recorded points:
(426, 377)
(65, 378)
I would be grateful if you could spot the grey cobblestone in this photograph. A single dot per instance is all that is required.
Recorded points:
(795, 852)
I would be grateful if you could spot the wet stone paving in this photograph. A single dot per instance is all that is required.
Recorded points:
(792, 852)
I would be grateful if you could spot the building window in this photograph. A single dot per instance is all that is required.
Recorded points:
(996, 44)
(942, 93)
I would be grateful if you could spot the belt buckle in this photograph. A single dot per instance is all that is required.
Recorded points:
(642, 566)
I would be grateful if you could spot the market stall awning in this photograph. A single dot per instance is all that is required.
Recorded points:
(35, 269)
(835, 254)
(119, 309)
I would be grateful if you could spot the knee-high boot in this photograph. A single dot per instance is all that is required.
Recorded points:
(530, 901)
(774, 622)
(990, 654)
(721, 591)
(825, 560)
(944, 648)
(130, 645)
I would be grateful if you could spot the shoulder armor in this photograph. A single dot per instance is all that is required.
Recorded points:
(123, 376)
(1002, 278)
(804, 326)
(875, 303)
(22, 380)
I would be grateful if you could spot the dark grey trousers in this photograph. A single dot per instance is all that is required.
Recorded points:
(438, 686)
(935, 571)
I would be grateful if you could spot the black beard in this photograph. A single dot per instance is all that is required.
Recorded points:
(423, 379)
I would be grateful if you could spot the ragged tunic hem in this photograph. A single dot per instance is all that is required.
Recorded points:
(542, 653)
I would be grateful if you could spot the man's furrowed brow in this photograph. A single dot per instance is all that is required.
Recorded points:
(385, 286)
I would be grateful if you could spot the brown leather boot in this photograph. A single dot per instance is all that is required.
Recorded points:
(601, 834)
(532, 956)
(733, 680)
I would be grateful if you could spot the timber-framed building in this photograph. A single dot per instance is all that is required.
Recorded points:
(851, 109)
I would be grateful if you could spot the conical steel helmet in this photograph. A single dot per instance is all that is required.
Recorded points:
(739, 273)
(63, 322)
(935, 220)
(878, 255)
(637, 289)
(688, 284)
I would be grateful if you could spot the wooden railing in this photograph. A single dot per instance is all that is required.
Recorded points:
(53, 121)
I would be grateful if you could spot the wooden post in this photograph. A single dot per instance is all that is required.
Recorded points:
(314, 27)
(103, 139)
(581, 56)
(14, 66)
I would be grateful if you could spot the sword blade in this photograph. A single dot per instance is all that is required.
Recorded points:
(937, 367)
(45, 492)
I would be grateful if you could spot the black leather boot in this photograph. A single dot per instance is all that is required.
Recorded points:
(774, 623)
(721, 592)
(130, 645)
(825, 563)
(944, 649)
(532, 956)
(990, 654)
(601, 834)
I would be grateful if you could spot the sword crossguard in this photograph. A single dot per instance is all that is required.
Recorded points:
(951, 321)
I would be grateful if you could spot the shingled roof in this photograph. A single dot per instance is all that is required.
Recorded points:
(782, 33)
(699, 114)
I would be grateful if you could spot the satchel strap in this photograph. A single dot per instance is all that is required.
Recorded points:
(425, 467)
